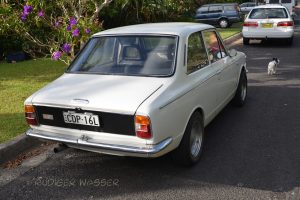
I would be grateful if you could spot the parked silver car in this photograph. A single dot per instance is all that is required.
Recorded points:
(247, 7)
(141, 90)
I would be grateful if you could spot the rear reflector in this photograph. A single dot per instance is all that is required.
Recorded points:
(250, 24)
(285, 24)
(30, 115)
(143, 127)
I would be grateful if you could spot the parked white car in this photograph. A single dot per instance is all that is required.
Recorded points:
(141, 90)
(268, 21)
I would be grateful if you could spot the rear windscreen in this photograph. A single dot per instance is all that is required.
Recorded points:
(274, 1)
(268, 13)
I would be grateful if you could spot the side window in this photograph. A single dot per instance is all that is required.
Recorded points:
(215, 49)
(196, 54)
(215, 9)
(203, 10)
(230, 8)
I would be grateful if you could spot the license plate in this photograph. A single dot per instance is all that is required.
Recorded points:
(81, 118)
(267, 25)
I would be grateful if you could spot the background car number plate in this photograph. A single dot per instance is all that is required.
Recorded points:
(81, 118)
(267, 25)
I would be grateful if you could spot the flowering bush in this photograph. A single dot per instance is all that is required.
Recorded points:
(58, 27)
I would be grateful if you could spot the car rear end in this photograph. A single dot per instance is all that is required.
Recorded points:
(268, 22)
(95, 105)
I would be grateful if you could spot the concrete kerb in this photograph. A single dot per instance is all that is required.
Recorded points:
(11, 149)
(232, 39)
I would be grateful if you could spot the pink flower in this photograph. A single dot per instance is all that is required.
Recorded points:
(23, 17)
(76, 32)
(56, 55)
(66, 47)
(56, 24)
(27, 9)
(87, 31)
(69, 28)
(41, 13)
(73, 21)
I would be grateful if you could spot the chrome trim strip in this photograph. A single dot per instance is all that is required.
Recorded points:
(86, 141)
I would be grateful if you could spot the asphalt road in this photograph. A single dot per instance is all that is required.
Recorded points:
(250, 153)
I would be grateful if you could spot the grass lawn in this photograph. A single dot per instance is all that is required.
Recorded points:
(17, 82)
(227, 32)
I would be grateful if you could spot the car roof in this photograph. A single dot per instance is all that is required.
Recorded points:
(270, 6)
(168, 28)
(220, 4)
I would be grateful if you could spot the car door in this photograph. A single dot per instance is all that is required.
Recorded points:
(215, 12)
(202, 14)
(222, 63)
(201, 77)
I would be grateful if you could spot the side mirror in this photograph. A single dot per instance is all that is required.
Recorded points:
(221, 55)
(232, 53)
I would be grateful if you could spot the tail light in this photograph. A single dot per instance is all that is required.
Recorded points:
(30, 115)
(250, 24)
(143, 127)
(285, 24)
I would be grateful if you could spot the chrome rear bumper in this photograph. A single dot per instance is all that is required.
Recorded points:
(83, 141)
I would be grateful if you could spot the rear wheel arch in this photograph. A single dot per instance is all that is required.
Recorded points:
(197, 109)
(190, 146)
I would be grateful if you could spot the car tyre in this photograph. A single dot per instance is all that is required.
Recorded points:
(190, 149)
(246, 41)
(289, 41)
(241, 92)
(223, 23)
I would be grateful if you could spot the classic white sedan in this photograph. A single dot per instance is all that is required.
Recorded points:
(142, 90)
(268, 21)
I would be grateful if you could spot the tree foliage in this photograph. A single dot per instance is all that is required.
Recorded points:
(60, 27)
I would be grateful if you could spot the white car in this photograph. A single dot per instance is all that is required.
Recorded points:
(141, 90)
(267, 22)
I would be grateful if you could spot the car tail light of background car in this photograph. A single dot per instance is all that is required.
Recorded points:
(250, 24)
(30, 115)
(285, 24)
(143, 127)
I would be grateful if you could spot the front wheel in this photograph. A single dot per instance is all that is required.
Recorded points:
(190, 149)
(289, 41)
(224, 23)
(241, 91)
